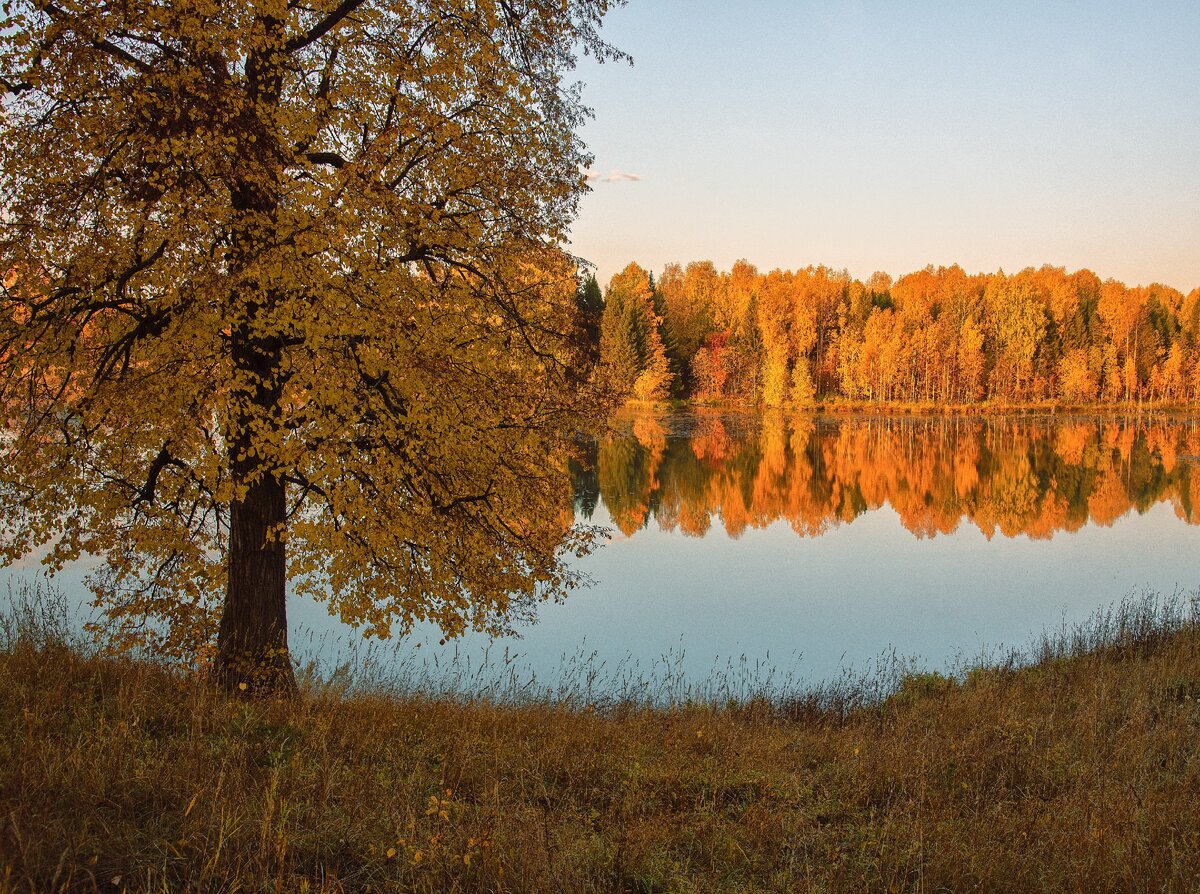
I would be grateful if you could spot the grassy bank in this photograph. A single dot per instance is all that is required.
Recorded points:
(1074, 769)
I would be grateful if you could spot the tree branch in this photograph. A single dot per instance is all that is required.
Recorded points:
(103, 44)
(14, 89)
(124, 55)
(322, 27)
(147, 491)
(327, 158)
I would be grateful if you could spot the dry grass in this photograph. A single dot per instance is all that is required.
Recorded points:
(1076, 772)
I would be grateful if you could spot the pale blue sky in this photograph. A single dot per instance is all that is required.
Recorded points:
(887, 136)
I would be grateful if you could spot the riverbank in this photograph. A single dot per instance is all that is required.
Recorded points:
(1076, 771)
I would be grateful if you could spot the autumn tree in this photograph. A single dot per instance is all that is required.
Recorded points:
(970, 361)
(775, 317)
(1076, 382)
(737, 313)
(803, 333)
(688, 298)
(285, 302)
(1017, 320)
(633, 358)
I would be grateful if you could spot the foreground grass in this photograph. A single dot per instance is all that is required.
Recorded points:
(1077, 772)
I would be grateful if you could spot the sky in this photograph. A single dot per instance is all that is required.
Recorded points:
(892, 135)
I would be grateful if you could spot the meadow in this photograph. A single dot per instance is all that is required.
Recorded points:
(1069, 767)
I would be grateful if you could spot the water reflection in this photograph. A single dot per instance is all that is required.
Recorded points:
(689, 471)
(921, 553)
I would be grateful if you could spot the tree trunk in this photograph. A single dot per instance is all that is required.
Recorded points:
(252, 647)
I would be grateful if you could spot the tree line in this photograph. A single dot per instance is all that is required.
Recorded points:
(938, 335)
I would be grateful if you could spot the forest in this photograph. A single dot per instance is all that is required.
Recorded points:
(936, 336)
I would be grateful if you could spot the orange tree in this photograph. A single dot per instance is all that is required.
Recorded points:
(285, 301)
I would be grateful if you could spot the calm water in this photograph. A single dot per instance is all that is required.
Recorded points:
(833, 538)
(816, 543)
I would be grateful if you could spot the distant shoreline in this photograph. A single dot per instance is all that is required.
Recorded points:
(840, 407)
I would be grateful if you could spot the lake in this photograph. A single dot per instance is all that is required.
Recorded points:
(810, 544)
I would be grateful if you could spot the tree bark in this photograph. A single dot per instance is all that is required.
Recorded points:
(252, 645)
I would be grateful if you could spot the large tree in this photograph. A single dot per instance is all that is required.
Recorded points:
(285, 299)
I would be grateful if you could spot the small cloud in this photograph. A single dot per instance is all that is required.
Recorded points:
(613, 176)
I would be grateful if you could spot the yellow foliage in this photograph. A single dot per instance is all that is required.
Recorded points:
(284, 290)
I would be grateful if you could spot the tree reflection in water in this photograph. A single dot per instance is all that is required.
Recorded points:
(1032, 475)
